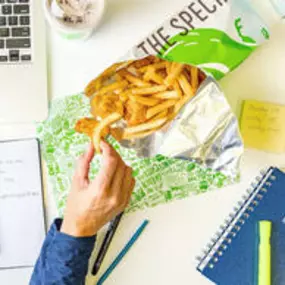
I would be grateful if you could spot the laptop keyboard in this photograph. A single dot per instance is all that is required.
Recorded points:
(15, 31)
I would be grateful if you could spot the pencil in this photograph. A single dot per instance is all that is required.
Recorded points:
(123, 252)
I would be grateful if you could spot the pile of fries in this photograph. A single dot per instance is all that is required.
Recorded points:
(147, 94)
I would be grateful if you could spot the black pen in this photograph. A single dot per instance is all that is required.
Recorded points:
(106, 243)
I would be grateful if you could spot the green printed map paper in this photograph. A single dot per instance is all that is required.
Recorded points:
(215, 35)
(159, 179)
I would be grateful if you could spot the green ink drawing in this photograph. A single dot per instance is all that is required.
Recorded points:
(239, 28)
(265, 33)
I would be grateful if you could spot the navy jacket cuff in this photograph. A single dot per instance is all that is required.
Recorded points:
(86, 243)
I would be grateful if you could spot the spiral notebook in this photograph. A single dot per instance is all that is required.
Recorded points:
(232, 256)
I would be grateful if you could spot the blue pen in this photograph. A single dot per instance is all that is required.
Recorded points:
(122, 254)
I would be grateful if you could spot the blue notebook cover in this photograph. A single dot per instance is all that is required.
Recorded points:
(232, 256)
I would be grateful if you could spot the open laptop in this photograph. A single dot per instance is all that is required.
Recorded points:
(23, 70)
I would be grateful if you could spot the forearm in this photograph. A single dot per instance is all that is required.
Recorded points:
(63, 259)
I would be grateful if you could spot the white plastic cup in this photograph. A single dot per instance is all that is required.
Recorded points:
(280, 6)
(73, 31)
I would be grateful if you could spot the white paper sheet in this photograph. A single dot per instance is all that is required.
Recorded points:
(22, 223)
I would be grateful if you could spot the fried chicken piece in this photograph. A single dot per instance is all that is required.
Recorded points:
(135, 113)
(96, 84)
(104, 105)
(87, 126)
(117, 133)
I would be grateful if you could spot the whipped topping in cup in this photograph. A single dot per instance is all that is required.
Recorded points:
(74, 19)
(74, 11)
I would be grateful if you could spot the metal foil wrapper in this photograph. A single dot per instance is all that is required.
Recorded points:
(205, 131)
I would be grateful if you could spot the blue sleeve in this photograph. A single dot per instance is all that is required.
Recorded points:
(63, 259)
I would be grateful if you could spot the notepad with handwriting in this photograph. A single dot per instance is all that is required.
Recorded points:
(22, 223)
(262, 126)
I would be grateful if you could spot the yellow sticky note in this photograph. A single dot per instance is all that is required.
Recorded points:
(263, 126)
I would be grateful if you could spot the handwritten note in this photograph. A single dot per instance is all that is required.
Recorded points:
(21, 205)
(263, 126)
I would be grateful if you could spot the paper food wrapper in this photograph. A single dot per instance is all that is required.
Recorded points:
(216, 36)
(202, 147)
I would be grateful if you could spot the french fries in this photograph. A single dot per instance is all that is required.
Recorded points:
(113, 87)
(105, 123)
(167, 95)
(96, 84)
(149, 90)
(144, 134)
(174, 72)
(147, 94)
(133, 79)
(152, 75)
(155, 66)
(145, 100)
(177, 88)
(194, 77)
(159, 108)
(161, 115)
(185, 85)
(145, 127)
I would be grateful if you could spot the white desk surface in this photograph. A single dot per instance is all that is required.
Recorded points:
(166, 250)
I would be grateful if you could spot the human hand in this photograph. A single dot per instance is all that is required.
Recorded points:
(92, 204)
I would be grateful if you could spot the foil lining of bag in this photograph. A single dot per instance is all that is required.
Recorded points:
(205, 131)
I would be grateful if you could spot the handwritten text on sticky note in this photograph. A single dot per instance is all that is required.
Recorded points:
(263, 126)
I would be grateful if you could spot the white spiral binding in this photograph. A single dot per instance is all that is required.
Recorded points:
(233, 224)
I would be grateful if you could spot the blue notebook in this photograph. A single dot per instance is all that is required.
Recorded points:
(232, 256)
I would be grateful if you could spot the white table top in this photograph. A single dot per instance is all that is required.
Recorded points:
(166, 251)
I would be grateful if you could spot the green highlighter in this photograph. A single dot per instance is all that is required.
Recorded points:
(264, 256)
